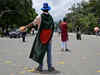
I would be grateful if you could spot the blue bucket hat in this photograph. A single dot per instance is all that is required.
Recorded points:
(46, 7)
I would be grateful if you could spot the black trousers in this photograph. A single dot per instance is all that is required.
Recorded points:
(23, 36)
(78, 36)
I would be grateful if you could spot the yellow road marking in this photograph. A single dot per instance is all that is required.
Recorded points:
(25, 68)
(31, 70)
(61, 62)
(8, 62)
(22, 72)
(98, 71)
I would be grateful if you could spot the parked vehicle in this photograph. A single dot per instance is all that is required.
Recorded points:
(15, 34)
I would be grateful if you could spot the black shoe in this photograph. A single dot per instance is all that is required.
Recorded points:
(51, 69)
(39, 69)
(23, 40)
(67, 50)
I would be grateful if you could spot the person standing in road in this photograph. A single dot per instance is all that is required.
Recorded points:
(78, 34)
(23, 32)
(42, 43)
(64, 35)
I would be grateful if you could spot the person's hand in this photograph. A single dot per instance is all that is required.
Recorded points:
(29, 25)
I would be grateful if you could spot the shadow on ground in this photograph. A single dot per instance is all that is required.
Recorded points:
(47, 72)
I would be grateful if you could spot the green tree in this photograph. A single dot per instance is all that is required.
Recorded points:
(17, 13)
(85, 15)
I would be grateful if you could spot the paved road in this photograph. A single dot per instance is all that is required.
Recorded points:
(82, 60)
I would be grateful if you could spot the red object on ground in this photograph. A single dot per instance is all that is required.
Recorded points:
(45, 35)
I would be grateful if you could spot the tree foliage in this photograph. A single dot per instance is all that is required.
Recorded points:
(16, 12)
(85, 15)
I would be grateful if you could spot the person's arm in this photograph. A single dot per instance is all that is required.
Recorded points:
(36, 21)
(29, 25)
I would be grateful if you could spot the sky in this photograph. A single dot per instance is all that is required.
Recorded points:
(58, 7)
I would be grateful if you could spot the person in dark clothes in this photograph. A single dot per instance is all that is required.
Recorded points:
(42, 43)
(23, 36)
(23, 32)
(78, 34)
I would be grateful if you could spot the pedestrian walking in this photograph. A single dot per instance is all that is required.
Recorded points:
(42, 43)
(78, 34)
(64, 35)
(96, 30)
(23, 32)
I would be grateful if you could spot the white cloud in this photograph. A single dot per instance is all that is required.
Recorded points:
(59, 7)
